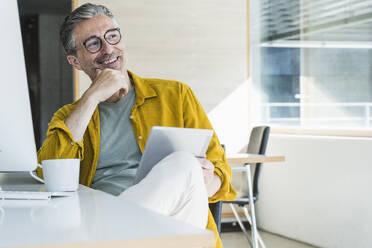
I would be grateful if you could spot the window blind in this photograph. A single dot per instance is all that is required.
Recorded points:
(334, 20)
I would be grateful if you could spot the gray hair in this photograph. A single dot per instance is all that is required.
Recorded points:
(84, 12)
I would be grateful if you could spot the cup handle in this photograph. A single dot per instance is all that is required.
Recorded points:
(35, 176)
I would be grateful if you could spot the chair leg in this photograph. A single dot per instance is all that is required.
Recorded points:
(250, 223)
(241, 224)
(251, 205)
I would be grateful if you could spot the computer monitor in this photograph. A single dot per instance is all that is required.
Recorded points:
(17, 142)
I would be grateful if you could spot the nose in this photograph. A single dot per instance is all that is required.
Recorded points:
(107, 48)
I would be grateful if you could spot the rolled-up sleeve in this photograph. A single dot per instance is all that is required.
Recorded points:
(59, 143)
(226, 191)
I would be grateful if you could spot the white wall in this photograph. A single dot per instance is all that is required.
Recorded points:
(322, 193)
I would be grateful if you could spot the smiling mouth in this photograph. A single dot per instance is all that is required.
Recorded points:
(107, 62)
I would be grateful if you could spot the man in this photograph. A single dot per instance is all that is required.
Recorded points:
(109, 125)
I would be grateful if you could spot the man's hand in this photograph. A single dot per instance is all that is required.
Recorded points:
(212, 181)
(109, 85)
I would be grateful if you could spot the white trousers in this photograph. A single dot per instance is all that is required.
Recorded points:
(174, 187)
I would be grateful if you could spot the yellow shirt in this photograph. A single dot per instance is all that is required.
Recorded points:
(158, 103)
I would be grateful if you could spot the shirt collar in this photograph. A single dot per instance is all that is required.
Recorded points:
(143, 90)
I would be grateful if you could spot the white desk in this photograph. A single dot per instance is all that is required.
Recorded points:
(90, 218)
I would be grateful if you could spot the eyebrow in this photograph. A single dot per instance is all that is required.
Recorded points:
(95, 36)
(91, 37)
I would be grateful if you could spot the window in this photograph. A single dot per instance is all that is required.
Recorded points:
(311, 63)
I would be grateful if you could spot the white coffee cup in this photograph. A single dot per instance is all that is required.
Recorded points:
(60, 174)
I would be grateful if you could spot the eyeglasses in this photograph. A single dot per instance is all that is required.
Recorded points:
(94, 44)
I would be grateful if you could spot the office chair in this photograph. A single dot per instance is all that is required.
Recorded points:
(257, 145)
(216, 210)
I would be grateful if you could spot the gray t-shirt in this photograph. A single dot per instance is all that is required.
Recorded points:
(119, 152)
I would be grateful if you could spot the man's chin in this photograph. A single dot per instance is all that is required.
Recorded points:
(118, 68)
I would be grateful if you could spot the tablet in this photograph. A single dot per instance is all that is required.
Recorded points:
(163, 141)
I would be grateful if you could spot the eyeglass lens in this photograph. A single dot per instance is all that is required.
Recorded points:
(94, 44)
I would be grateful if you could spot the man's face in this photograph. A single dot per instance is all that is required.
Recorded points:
(110, 56)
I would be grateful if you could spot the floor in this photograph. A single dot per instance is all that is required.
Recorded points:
(237, 239)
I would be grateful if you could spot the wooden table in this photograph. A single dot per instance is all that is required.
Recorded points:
(247, 159)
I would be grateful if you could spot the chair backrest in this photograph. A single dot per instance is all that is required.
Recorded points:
(257, 145)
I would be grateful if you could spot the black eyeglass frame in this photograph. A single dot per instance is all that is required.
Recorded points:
(100, 40)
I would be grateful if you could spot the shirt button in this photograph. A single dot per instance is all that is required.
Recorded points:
(72, 143)
(131, 117)
(139, 137)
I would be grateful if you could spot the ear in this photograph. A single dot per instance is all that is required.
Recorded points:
(74, 62)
